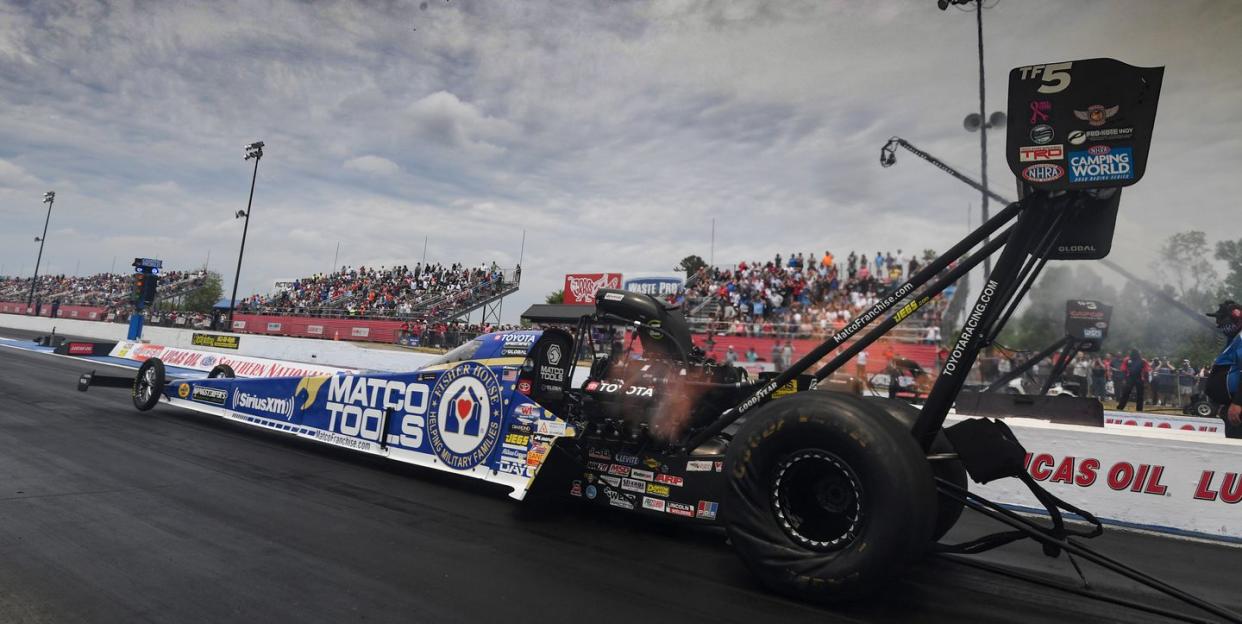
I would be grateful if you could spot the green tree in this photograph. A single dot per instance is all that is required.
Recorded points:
(1183, 262)
(691, 265)
(556, 296)
(1230, 252)
(206, 296)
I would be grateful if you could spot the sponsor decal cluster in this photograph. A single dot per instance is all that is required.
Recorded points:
(623, 500)
(1041, 110)
(1078, 137)
(657, 489)
(633, 485)
(1101, 163)
(680, 509)
(1097, 115)
(654, 504)
(698, 465)
(706, 510)
(1042, 134)
(516, 344)
(1040, 153)
(551, 427)
(668, 479)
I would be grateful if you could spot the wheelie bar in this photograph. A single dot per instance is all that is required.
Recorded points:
(89, 380)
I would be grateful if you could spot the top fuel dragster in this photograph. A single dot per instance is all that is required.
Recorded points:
(825, 496)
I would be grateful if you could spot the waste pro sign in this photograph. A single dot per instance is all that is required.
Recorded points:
(655, 286)
(1154, 479)
(580, 287)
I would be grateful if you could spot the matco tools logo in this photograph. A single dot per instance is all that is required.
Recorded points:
(465, 416)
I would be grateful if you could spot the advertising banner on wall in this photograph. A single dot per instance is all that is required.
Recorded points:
(243, 366)
(658, 286)
(580, 287)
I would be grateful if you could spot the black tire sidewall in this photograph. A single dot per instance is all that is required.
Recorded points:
(948, 510)
(156, 390)
(221, 371)
(899, 497)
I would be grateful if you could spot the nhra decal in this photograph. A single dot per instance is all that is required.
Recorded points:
(465, 415)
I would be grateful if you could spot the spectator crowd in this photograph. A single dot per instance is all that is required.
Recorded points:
(108, 290)
(803, 295)
(424, 292)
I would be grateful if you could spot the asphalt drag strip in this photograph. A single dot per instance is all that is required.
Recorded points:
(112, 515)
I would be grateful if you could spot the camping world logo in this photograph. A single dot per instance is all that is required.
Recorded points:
(465, 416)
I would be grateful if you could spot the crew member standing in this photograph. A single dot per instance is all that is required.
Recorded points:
(1135, 371)
(1224, 385)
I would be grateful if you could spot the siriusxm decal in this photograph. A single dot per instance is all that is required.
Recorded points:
(465, 415)
(268, 406)
(1101, 163)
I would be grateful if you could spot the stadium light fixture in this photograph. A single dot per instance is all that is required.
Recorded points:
(48, 198)
(255, 151)
(979, 122)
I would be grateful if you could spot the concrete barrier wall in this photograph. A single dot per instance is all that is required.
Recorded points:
(311, 351)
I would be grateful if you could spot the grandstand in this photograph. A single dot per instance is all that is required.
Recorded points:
(103, 290)
(428, 293)
(803, 300)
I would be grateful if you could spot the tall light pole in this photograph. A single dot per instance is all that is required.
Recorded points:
(255, 151)
(980, 121)
(48, 198)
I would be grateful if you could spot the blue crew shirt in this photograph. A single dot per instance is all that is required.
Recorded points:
(1232, 357)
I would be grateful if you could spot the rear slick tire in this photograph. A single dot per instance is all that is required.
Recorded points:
(827, 497)
(948, 511)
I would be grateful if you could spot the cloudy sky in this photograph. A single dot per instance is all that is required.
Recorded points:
(611, 131)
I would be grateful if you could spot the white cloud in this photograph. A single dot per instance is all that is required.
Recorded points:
(13, 176)
(612, 132)
(372, 165)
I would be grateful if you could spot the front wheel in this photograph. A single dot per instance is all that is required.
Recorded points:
(827, 496)
(148, 384)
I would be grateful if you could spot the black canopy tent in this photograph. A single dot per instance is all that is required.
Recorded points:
(563, 313)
